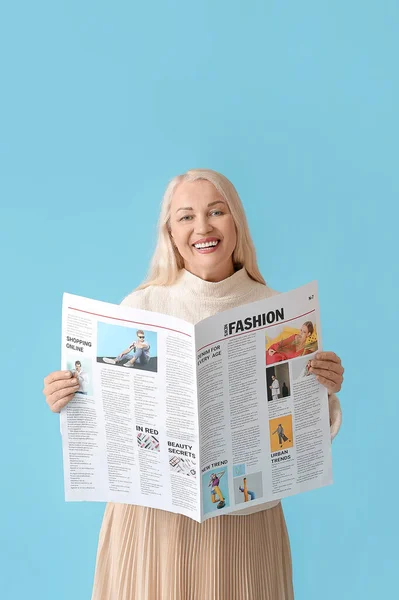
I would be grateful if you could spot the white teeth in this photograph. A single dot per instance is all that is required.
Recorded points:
(206, 245)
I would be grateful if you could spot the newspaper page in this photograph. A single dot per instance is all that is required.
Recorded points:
(263, 418)
(130, 434)
(199, 420)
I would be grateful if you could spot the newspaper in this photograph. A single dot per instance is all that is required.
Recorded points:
(199, 420)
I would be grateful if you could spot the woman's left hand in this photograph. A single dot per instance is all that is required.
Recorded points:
(328, 369)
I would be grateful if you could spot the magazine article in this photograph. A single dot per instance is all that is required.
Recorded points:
(200, 420)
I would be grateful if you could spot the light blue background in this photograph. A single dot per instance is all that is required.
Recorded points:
(101, 104)
(114, 339)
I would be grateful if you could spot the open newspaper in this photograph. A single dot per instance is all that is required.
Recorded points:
(199, 420)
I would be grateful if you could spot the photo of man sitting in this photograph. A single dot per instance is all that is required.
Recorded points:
(138, 352)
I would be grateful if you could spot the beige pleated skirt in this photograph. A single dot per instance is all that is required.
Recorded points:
(148, 554)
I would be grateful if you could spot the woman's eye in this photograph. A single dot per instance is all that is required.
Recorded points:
(216, 212)
(186, 218)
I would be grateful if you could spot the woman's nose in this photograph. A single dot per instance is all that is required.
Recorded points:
(203, 226)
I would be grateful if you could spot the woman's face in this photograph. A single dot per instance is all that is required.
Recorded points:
(203, 230)
(304, 333)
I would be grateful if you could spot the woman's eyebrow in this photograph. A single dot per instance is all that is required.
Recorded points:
(216, 202)
(210, 204)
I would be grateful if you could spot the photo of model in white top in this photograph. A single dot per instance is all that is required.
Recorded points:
(275, 387)
(278, 381)
(82, 377)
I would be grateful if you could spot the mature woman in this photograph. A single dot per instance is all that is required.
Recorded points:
(204, 263)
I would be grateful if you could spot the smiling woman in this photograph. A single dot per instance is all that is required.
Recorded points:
(200, 206)
(204, 263)
(203, 230)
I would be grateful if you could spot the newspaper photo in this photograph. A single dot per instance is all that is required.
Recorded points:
(200, 420)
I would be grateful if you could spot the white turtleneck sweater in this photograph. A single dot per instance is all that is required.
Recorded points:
(193, 299)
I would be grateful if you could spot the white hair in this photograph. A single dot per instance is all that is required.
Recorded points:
(167, 261)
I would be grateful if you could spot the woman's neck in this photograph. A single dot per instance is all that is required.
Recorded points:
(215, 275)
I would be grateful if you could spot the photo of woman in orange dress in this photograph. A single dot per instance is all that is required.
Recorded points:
(298, 344)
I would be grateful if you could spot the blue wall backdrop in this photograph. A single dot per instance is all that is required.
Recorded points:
(101, 104)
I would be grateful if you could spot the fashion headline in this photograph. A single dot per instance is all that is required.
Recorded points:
(273, 316)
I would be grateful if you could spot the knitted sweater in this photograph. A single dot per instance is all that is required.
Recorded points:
(193, 299)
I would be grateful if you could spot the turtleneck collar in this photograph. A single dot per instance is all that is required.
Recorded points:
(238, 284)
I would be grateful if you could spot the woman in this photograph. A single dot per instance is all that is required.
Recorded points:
(204, 263)
(275, 388)
(281, 435)
(299, 344)
(216, 493)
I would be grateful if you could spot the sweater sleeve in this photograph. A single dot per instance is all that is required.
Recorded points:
(334, 406)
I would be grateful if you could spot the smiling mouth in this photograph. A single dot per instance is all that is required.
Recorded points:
(207, 244)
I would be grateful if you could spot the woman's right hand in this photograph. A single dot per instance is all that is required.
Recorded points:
(59, 388)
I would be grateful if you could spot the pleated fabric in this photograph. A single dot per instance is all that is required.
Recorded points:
(149, 554)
